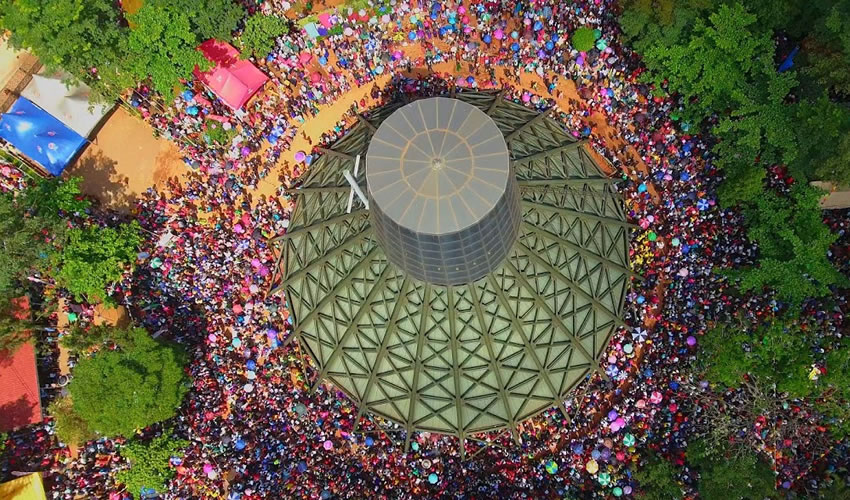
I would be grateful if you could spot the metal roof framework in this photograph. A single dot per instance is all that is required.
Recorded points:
(474, 358)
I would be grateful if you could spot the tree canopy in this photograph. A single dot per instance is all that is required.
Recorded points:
(70, 428)
(793, 247)
(657, 480)
(86, 38)
(94, 258)
(209, 18)
(117, 392)
(164, 47)
(739, 475)
(260, 33)
(149, 463)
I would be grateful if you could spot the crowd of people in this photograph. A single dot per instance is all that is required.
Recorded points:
(255, 428)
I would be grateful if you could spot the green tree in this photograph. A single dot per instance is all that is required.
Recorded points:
(834, 400)
(260, 33)
(719, 65)
(835, 168)
(94, 258)
(164, 47)
(744, 183)
(54, 198)
(657, 480)
(793, 244)
(86, 38)
(209, 18)
(117, 392)
(70, 428)
(660, 23)
(583, 39)
(13, 331)
(823, 127)
(80, 340)
(827, 46)
(149, 463)
(775, 353)
(25, 241)
(740, 475)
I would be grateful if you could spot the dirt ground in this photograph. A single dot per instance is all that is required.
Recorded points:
(124, 159)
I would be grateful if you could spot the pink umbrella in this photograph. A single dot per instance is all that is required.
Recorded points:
(300, 156)
(499, 34)
(315, 77)
(304, 57)
(328, 445)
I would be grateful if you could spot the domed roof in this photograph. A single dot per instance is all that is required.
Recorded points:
(471, 357)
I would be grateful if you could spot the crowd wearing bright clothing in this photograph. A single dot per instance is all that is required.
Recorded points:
(256, 431)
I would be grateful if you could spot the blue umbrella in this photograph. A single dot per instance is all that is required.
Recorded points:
(412, 35)
(240, 445)
(487, 39)
(515, 47)
(470, 80)
(538, 26)
(369, 441)
(188, 95)
(550, 45)
(251, 365)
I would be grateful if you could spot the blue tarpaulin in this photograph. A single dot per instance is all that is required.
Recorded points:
(40, 136)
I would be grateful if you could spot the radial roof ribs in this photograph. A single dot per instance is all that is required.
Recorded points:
(483, 283)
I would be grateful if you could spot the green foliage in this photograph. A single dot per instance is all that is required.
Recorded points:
(721, 64)
(70, 428)
(657, 481)
(836, 168)
(837, 489)
(741, 476)
(94, 258)
(209, 18)
(80, 341)
(584, 39)
(215, 133)
(84, 37)
(778, 353)
(23, 246)
(827, 48)
(260, 33)
(835, 386)
(659, 23)
(117, 392)
(743, 184)
(793, 244)
(149, 463)
(54, 197)
(13, 331)
(164, 46)
(823, 128)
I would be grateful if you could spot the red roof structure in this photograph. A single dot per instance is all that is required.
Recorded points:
(20, 403)
(234, 80)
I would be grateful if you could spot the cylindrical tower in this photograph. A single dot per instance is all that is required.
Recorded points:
(443, 200)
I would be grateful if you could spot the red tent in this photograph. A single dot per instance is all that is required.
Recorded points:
(233, 80)
(20, 402)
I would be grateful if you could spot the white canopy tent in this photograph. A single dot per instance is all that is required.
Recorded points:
(69, 105)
